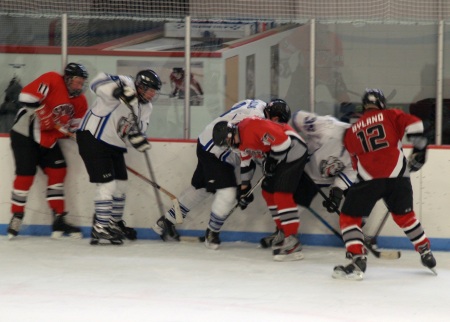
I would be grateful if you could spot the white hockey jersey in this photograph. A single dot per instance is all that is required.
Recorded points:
(236, 113)
(329, 162)
(108, 119)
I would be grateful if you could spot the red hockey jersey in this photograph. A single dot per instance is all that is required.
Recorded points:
(258, 137)
(50, 90)
(375, 143)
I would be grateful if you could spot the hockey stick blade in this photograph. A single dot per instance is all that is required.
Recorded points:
(178, 214)
(192, 239)
(383, 254)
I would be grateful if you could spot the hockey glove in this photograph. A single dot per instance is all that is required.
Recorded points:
(126, 94)
(269, 166)
(139, 142)
(417, 159)
(334, 200)
(243, 199)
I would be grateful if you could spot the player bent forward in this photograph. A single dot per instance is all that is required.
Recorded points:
(284, 153)
(215, 173)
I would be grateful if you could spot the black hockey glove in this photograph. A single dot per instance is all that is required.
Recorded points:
(139, 142)
(334, 200)
(269, 166)
(244, 200)
(125, 93)
(417, 159)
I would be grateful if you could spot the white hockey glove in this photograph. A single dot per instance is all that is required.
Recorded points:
(126, 94)
(139, 142)
(331, 167)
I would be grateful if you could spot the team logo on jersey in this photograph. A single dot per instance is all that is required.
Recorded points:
(309, 125)
(124, 126)
(267, 139)
(258, 154)
(330, 167)
(63, 114)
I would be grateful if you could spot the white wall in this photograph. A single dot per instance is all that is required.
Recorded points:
(174, 163)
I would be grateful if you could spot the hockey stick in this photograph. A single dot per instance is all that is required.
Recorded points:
(385, 254)
(326, 224)
(373, 239)
(176, 204)
(246, 195)
(157, 195)
(202, 238)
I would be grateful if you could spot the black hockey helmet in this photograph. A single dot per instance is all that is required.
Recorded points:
(374, 96)
(223, 134)
(74, 70)
(147, 79)
(278, 107)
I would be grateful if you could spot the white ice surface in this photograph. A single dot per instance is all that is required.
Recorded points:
(69, 280)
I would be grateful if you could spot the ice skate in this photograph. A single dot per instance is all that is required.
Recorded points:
(120, 228)
(353, 271)
(166, 230)
(427, 258)
(104, 236)
(212, 240)
(267, 241)
(14, 224)
(288, 249)
(62, 228)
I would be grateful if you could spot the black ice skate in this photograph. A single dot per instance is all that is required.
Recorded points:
(287, 249)
(268, 241)
(14, 224)
(104, 236)
(120, 228)
(166, 230)
(61, 227)
(353, 271)
(427, 258)
(212, 240)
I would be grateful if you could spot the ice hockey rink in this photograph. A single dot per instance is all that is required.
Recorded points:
(149, 280)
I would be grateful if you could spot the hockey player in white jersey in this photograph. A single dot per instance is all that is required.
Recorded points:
(329, 162)
(215, 173)
(119, 117)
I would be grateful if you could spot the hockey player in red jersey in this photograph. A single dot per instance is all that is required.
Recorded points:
(53, 106)
(283, 153)
(329, 164)
(374, 143)
(215, 173)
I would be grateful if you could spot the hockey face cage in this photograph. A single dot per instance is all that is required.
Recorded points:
(71, 71)
(147, 80)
